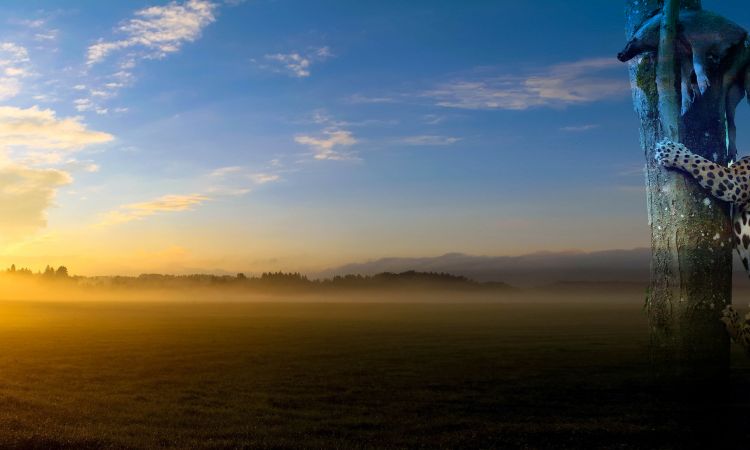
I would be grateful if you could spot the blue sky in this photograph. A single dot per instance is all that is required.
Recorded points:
(297, 135)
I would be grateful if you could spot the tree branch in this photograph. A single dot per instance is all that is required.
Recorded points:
(666, 79)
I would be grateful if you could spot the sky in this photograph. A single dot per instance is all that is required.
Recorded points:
(208, 135)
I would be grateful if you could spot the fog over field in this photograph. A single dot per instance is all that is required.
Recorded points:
(42, 290)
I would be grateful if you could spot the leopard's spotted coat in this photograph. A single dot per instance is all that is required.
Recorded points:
(730, 184)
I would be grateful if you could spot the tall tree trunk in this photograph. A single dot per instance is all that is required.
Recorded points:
(691, 264)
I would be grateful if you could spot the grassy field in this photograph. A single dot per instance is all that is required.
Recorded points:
(233, 375)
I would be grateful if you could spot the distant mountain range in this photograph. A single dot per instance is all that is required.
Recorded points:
(534, 269)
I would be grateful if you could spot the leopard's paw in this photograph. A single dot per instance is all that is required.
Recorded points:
(666, 151)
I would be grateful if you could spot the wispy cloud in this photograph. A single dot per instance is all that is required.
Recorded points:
(164, 204)
(332, 142)
(429, 140)
(578, 82)
(153, 33)
(263, 178)
(13, 54)
(238, 180)
(224, 171)
(433, 119)
(328, 144)
(321, 117)
(158, 30)
(297, 64)
(46, 36)
(579, 128)
(179, 203)
(38, 29)
(168, 203)
(360, 99)
(87, 104)
(14, 65)
(30, 23)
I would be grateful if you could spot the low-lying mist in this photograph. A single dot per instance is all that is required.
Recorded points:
(185, 289)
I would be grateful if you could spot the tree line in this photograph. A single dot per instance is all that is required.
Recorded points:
(267, 280)
(49, 272)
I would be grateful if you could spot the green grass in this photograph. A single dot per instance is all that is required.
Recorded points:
(136, 375)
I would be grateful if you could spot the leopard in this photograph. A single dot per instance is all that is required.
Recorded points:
(729, 184)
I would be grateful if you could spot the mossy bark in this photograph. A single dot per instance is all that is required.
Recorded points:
(691, 265)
